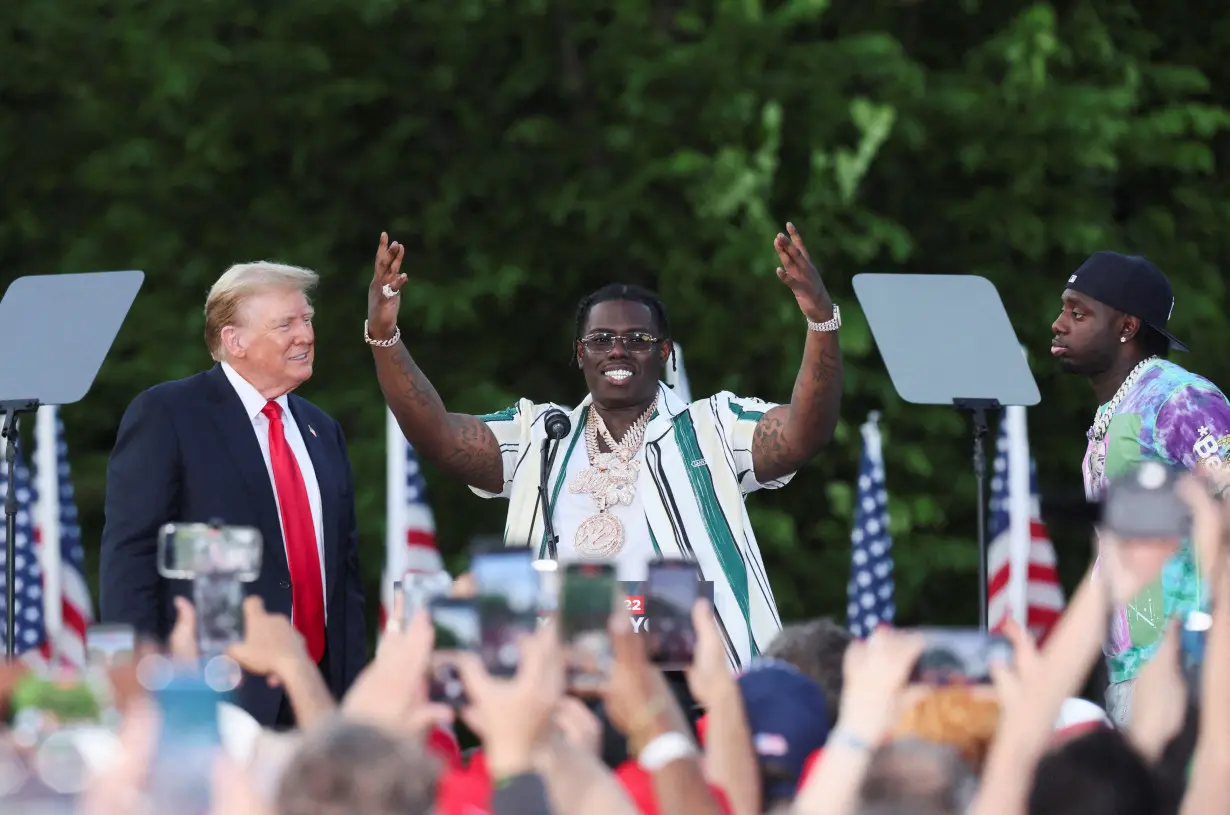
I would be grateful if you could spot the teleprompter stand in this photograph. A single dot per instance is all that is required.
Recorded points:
(55, 331)
(947, 340)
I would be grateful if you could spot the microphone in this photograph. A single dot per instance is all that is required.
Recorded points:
(558, 426)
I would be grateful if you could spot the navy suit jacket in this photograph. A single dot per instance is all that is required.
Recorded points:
(186, 452)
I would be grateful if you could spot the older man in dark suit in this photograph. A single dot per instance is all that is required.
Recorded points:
(234, 443)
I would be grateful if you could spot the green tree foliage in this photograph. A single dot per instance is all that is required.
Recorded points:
(529, 152)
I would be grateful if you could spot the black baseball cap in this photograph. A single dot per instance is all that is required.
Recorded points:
(1131, 284)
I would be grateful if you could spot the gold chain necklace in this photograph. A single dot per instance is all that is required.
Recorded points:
(611, 480)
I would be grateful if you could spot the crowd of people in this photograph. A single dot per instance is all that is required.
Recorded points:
(821, 723)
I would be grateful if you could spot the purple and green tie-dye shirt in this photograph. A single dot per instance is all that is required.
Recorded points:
(1176, 417)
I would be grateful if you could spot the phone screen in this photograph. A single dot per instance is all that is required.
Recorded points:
(182, 774)
(418, 589)
(587, 600)
(671, 591)
(457, 628)
(218, 598)
(508, 595)
(959, 655)
(110, 645)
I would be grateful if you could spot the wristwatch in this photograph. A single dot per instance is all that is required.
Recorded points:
(828, 325)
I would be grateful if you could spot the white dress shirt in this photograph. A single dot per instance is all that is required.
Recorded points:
(254, 404)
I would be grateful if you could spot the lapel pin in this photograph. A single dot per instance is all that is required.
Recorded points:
(312, 430)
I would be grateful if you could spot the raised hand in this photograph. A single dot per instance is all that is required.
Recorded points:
(387, 280)
(800, 274)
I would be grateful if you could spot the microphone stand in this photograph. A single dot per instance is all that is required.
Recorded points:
(978, 408)
(11, 434)
(544, 497)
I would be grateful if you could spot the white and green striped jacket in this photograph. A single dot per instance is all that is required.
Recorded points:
(699, 457)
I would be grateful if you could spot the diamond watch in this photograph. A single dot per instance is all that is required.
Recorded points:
(828, 325)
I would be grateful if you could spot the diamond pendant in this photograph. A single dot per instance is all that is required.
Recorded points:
(1097, 465)
(599, 536)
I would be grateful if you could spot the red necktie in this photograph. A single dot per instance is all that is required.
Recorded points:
(307, 596)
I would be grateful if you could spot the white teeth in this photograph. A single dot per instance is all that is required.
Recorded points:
(619, 374)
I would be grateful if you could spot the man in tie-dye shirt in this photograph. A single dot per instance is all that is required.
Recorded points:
(1112, 329)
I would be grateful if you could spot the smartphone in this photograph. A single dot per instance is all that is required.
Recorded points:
(189, 742)
(588, 593)
(1143, 504)
(110, 645)
(959, 656)
(508, 595)
(218, 599)
(418, 589)
(1192, 638)
(671, 590)
(457, 627)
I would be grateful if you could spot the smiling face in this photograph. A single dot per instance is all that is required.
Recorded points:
(1087, 335)
(272, 347)
(621, 353)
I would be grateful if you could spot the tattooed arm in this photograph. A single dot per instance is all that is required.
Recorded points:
(463, 446)
(459, 444)
(788, 435)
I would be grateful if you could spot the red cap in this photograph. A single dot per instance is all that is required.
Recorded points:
(702, 724)
(639, 786)
(465, 790)
(444, 744)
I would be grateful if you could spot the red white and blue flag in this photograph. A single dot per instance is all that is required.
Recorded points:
(54, 607)
(410, 536)
(1023, 582)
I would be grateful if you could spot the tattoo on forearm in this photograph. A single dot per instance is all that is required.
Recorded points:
(789, 435)
(828, 369)
(411, 389)
(461, 445)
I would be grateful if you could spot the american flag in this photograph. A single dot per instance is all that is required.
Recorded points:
(1023, 583)
(870, 591)
(410, 542)
(410, 545)
(68, 606)
(29, 631)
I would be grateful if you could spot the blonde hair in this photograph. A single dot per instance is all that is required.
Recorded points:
(237, 284)
(955, 716)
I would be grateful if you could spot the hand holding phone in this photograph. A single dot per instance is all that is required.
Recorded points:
(457, 628)
(959, 656)
(508, 597)
(671, 592)
(418, 589)
(587, 600)
(218, 598)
